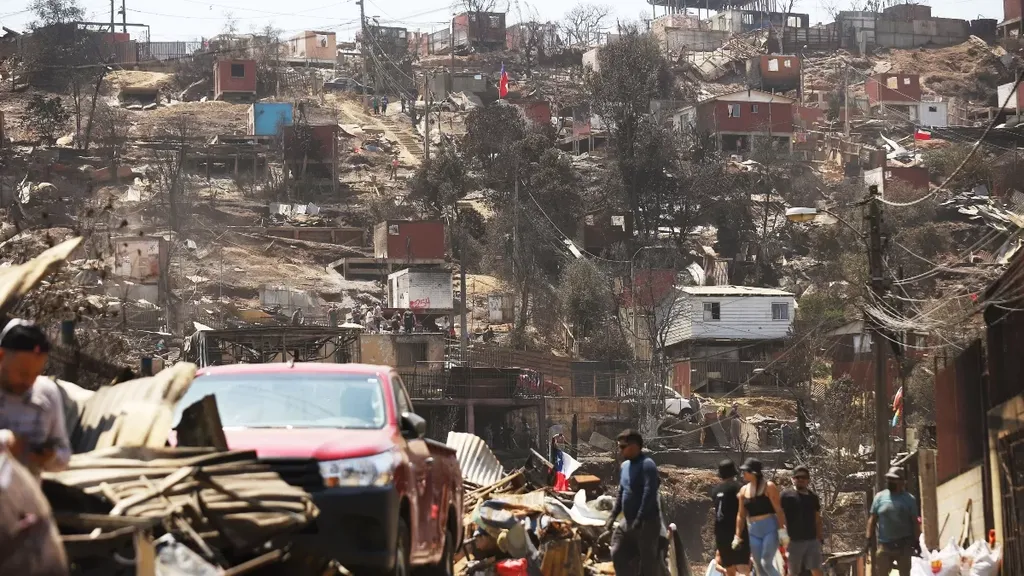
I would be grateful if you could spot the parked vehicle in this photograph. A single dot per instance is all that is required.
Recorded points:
(390, 500)
(346, 84)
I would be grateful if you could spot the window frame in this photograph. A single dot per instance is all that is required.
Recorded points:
(239, 67)
(754, 108)
(710, 309)
(400, 393)
(782, 317)
(731, 108)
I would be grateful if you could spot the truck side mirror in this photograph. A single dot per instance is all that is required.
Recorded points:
(413, 425)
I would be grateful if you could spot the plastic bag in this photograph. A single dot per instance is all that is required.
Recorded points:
(945, 562)
(516, 567)
(980, 560)
(713, 570)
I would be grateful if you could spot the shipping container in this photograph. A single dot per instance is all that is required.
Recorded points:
(774, 72)
(409, 240)
(421, 290)
(267, 118)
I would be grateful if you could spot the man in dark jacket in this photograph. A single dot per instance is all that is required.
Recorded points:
(638, 535)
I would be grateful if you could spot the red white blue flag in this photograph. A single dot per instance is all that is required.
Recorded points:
(565, 466)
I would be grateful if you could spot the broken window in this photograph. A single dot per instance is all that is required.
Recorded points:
(238, 70)
(495, 21)
(734, 110)
(747, 19)
(753, 108)
(906, 81)
(933, 108)
(780, 311)
(773, 65)
(712, 311)
(892, 82)
(787, 63)
(793, 21)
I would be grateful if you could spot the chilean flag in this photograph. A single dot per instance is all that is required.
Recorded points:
(565, 466)
(922, 134)
(503, 83)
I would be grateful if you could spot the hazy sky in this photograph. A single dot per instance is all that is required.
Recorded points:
(194, 19)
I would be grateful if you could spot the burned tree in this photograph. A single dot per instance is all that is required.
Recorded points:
(582, 25)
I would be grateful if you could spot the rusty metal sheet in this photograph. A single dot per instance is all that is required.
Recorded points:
(478, 464)
(16, 281)
(134, 413)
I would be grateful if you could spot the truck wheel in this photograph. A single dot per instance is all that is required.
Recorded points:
(401, 550)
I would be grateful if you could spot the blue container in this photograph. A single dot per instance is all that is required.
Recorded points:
(267, 118)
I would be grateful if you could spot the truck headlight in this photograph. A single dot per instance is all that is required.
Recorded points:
(376, 470)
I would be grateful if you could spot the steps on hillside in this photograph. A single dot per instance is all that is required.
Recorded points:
(410, 142)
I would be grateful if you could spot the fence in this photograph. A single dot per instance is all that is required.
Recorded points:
(167, 51)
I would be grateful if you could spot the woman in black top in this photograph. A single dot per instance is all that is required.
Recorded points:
(761, 509)
(725, 496)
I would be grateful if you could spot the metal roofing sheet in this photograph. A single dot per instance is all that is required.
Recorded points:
(16, 281)
(478, 464)
(733, 291)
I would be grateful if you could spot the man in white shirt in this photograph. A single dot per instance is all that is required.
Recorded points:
(32, 425)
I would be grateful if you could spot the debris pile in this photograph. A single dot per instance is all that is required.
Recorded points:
(521, 524)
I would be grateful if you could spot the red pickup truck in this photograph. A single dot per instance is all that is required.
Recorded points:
(390, 500)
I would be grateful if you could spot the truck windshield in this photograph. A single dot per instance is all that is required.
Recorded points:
(298, 400)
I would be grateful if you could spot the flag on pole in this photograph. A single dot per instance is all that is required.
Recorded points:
(503, 82)
(565, 466)
(922, 134)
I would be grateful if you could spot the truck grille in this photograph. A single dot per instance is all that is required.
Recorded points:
(301, 472)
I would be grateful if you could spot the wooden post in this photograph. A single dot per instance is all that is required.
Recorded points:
(67, 339)
(929, 497)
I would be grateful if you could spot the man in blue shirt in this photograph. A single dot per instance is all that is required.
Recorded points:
(893, 520)
(638, 535)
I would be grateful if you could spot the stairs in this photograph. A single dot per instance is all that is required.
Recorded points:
(407, 140)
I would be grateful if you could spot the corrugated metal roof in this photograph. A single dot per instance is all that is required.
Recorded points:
(478, 464)
(733, 291)
(16, 281)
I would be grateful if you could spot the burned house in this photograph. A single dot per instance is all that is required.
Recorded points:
(741, 120)
(388, 48)
(480, 31)
(774, 73)
(312, 47)
(741, 21)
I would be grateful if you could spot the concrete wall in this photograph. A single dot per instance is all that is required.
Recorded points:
(914, 33)
(590, 59)
(933, 114)
(385, 349)
(592, 415)
(677, 39)
(953, 497)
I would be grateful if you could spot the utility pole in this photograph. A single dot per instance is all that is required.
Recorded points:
(124, 18)
(464, 331)
(846, 101)
(112, 19)
(453, 53)
(876, 267)
(426, 118)
(362, 49)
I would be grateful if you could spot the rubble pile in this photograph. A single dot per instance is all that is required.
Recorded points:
(520, 524)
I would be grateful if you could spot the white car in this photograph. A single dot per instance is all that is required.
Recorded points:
(676, 405)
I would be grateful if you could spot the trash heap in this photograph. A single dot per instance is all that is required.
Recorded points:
(518, 524)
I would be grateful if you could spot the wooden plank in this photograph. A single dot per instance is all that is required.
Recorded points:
(166, 483)
(145, 554)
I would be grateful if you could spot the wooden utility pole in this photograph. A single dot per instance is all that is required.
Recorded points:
(362, 49)
(426, 118)
(846, 101)
(112, 19)
(879, 341)
(926, 469)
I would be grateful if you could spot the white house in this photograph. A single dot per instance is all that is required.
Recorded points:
(719, 320)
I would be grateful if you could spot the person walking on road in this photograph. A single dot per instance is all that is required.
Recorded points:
(639, 535)
(384, 104)
(761, 510)
(893, 521)
(376, 106)
(32, 427)
(394, 166)
(803, 520)
(725, 497)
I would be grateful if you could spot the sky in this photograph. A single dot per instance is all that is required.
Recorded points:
(195, 19)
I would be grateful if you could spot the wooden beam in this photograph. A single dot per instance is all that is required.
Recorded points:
(201, 425)
(929, 497)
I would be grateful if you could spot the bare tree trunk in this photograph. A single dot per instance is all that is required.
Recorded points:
(92, 109)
